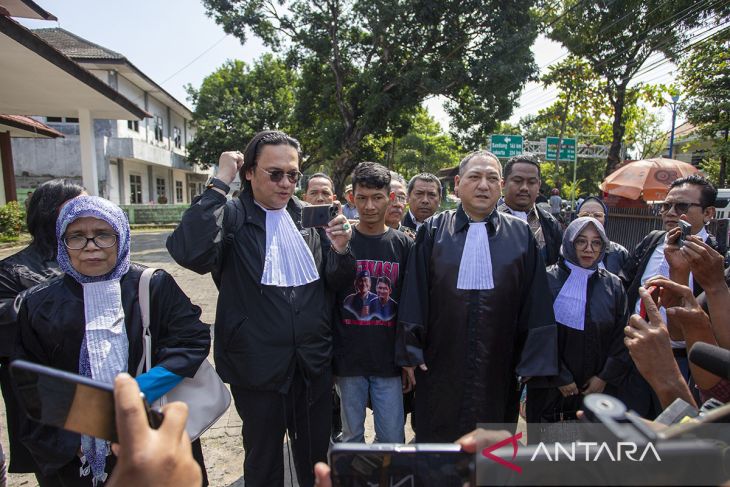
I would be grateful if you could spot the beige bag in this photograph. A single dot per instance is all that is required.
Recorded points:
(205, 394)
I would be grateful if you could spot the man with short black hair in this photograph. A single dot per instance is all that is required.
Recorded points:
(474, 313)
(691, 199)
(364, 345)
(521, 186)
(319, 190)
(424, 199)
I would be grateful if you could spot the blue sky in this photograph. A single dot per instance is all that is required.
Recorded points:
(175, 43)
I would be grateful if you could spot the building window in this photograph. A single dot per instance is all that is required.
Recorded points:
(178, 191)
(177, 137)
(161, 190)
(62, 120)
(135, 189)
(158, 129)
(133, 125)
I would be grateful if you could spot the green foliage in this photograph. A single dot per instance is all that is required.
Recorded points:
(425, 148)
(705, 76)
(238, 100)
(616, 39)
(711, 168)
(12, 221)
(583, 102)
(367, 65)
(571, 191)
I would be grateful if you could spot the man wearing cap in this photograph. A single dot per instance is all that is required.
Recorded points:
(349, 209)
(473, 314)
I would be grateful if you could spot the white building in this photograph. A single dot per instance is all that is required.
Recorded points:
(137, 161)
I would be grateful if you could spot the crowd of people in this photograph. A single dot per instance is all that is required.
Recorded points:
(455, 317)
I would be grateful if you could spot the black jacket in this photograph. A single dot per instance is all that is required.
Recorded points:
(19, 272)
(553, 236)
(261, 331)
(409, 222)
(635, 265)
(615, 258)
(51, 320)
(599, 349)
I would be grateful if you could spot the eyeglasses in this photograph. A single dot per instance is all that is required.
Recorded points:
(78, 242)
(400, 199)
(582, 244)
(595, 214)
(680, 208)
(277, 175)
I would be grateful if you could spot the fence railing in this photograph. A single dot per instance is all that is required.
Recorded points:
(628, 226)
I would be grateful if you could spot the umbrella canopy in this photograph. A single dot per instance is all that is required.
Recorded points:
(648, 178)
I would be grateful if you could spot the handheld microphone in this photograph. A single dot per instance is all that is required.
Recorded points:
(713, 359)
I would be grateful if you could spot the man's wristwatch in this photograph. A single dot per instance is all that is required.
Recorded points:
(214, 182)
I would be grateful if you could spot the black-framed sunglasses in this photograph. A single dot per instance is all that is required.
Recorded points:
(277, 175)
(78, 242)
(680, 208)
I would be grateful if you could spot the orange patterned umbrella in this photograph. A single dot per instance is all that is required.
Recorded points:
(648, 179)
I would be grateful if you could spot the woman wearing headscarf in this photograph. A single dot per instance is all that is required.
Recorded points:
(88, 321)
(32, 265)
(616, 254)
(590, 309)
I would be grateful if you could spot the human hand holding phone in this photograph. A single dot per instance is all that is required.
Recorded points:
(145, 456)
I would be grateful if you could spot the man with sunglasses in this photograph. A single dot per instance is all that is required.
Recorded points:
(276, 285)
(692, 199)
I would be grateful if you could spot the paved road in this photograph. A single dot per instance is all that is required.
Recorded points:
(222, 446)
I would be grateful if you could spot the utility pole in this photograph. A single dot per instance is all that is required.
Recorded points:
(675, 100)
(560, 134)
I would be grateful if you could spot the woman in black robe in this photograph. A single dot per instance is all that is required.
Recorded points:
(616, 254)
(590, 308)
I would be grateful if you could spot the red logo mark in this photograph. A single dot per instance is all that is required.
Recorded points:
(487, 452)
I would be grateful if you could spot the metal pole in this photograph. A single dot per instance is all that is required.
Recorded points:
(675, 99)
(575, 164)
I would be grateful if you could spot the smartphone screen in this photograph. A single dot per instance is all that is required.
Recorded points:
(442, 465)
(68, 401)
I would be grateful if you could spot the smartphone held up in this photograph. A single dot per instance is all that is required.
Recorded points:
(69, 401)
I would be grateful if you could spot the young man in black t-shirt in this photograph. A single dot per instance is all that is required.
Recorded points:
(364, 347)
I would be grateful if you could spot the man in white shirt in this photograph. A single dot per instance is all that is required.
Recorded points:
(692, 199)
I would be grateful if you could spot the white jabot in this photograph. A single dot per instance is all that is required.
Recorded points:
(570, 305)
(106, 335)
(288, 261)
(475, 270)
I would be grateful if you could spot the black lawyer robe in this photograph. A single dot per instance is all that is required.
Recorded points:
(474, 342)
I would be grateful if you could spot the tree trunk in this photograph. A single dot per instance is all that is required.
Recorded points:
(618, 128)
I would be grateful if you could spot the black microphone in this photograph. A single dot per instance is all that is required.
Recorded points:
(713, 359)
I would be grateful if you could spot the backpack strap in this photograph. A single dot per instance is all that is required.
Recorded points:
(145, 364)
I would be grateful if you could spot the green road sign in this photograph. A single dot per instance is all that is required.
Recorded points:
(567, 149)
(506, 146)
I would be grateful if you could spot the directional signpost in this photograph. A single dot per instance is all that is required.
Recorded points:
(506, 146)
(567, 149)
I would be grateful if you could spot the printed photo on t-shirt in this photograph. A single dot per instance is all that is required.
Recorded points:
(371, 303)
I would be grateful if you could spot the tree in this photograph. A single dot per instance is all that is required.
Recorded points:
(616, 39)
(367, 65)
(705, 76)
(425, 148)
(238, 100)
(582, 110)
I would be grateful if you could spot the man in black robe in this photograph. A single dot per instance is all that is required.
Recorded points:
(465, 332)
